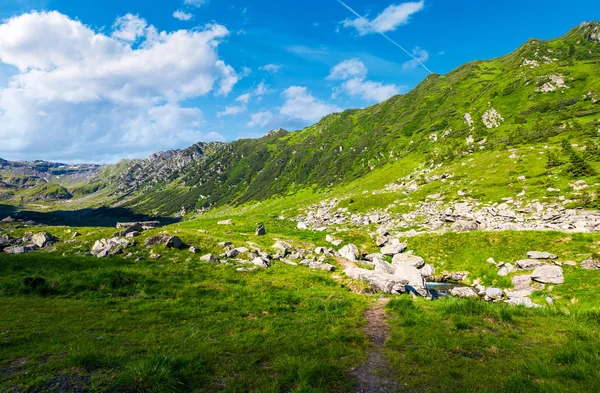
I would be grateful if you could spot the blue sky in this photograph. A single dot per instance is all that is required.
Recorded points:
(97, 81)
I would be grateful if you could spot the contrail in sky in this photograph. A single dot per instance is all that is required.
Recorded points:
(383, 34)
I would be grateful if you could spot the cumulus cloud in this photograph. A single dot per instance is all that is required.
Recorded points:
(260, 119)
(353, 68)
(354, 73)
(80, 93)
(420, 57)
(272, 68)
(388, 20)
(182, 15)
(301, 104)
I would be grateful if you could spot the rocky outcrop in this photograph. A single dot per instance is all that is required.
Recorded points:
(541, 255)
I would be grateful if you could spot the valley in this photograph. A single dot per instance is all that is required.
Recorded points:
(307, 261)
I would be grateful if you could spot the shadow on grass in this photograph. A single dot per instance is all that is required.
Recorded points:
(101, 217)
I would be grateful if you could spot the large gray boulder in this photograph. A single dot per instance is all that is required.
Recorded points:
(382, 266)
(350, 252)
(548, 274)
(540, 255)
(415, 282)
(528, 264)
(428, 271)
(384, 282)
(522, 301)
(42, 239)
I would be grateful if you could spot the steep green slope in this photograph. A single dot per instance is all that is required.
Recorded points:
(542, 90)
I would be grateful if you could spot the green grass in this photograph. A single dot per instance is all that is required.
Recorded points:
(456, 345)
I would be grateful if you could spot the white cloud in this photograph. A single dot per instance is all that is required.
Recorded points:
(354, 73)
(245, 98)
(388, 20)
(352, 68)
(300, 104)
(81, 94)
(232, 110)
(246, 71)
(273, 68)
(368, 90)
(420, 57)
(182, 15)
(260, 119)
(195, 3)
(129, 28)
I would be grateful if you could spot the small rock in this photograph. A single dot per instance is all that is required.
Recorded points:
(194, 250)
(155, 256)
(225, 222)
(209, 258)
(493, 293)
(540, 255)
(590, 264)
(174, 242)
(350, 252)
(42, 239)
(260, 230)
(506, 269)
(302, 225)
(463, 292)
(382, 266)
(528, 264)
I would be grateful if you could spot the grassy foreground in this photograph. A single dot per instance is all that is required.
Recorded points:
(177, 324)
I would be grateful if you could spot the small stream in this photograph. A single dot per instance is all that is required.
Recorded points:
(441, 289)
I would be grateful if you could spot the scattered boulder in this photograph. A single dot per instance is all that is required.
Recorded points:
(464, 226)
(8, 219)
(382, 266)
(381, 241)
(414, 260)
(540, 255)
(225, 222)
(350, 252)
(137, 227)
(18, 249)
(393, 247)
(284, 247)
(528, 264)
(194, 250)
(43, 239)
(301, 225)
(209, 258)
(174, 242)
(506, 269)
(455, 276)
(492, 294)
(317, 265)
(415, 282)
(131, 235)
(232, 253)
(155, 256)
(463, 292)
(428, 271)
(260, 230)
(104, 247)
(590, 264)
(387, 283)
(261, 262)
(548, 274)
